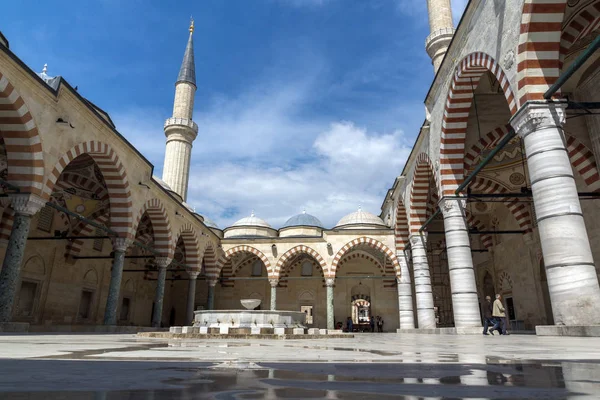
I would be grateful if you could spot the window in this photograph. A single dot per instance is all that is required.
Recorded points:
(257, 268)
(85, 304)
(26, 299)
(307, 268)
(45, 219)
(124, 309)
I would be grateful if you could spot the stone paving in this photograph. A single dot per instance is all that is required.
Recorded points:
(396, 365)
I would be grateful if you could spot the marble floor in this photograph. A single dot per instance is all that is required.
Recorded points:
(407, 366)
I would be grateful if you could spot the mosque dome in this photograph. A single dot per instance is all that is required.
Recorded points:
(303, 219)
(252, 220)
(361, 219)
(210, 223)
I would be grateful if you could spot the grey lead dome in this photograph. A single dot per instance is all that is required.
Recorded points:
(303, 219)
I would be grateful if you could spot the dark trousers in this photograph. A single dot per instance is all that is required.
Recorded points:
(499, 325)
(380, 328)
(487, 322)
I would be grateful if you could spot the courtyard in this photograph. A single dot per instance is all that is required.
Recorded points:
(410, 366)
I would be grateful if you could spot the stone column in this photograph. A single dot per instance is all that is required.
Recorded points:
(210, 301)
(191, 299)
(120, 246)
(572, 279)
(425, 313)
(159, 295)
(329, 282)
(24, 205)
(465, 303)
(405, 298)
(274, 283)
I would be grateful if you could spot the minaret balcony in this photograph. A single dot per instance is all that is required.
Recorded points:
(185, 122)
(438, 39)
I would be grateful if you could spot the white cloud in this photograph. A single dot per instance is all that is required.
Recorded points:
(353, 167)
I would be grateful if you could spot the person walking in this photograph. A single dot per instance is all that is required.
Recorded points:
(350, 325)
(379, 324)
(372, 323)
(499, 315)
(487, 315)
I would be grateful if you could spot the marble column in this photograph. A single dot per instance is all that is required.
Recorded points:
(24, 205)
(159, 295)
(329, 282)
(405, 298)
(465, 303)
(120, 246)
(423, 292)
(210, 300)
(191, 299)
(274, 283)
(572, 279)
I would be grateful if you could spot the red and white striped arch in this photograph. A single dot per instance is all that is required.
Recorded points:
(161, 227)
(519, 210)
(293, 252)
(361, 256)
(188, 236)
(421, 192)
(538, 55)
(373, 243)
(285, 272)
(6, 223)
(456, 115)
(401, 227)
(487, 141)
(209, 260)
(486, 239)
(115, 177)
(243, 249)
(584, 22)
(22, 141)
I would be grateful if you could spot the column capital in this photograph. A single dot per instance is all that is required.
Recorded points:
(452, 205)
(329, 282)
(533, 116)
(121, 244)
(274, 282)
(193, 273)
(162, 262)
(26, 203)
(417, 239)
(212, 283)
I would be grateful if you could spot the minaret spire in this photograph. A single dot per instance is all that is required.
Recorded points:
(441, 30)
(180, 130)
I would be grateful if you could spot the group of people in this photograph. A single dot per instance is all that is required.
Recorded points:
(494, 315)
(373, 321)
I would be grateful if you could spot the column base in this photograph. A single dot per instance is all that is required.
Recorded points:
(568, 330)
(472, 330)
(14, 327)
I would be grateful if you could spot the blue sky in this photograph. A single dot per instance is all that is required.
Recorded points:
(300, 104)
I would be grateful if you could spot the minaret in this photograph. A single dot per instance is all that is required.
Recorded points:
(180, 130)
(441, 28)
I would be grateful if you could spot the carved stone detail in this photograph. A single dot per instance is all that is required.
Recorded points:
(26, 204)
(533, 116)
(329, 282)
(121, 244)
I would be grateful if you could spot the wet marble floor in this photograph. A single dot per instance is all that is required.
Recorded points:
(368, 366)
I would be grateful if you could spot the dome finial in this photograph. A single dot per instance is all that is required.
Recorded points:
(252, 213)
(359, 207)
(45, 69)
(304, 211)
(191, 25)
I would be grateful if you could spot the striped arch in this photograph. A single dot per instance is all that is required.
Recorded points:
(456, 115)
(517, 209)
(163, 238)
(6, 223)
(538, 61)
(584, 22)
(373, 243)
(189, 238)
(420, 197)
(209, 260)
(486, 239)
(245, 249)
(21, 139)
(487, 141)
(294, 251)
(401, 227)
(285, 272)
(115, 177)
(361, 255)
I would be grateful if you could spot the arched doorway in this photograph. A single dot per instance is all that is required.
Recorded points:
(360, 311)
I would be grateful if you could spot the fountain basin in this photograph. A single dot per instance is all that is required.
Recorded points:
(249, 319)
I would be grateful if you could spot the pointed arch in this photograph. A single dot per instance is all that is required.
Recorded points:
(456, 115)
(21, 139)
(420, 197)
(362, 255)
(584, 22)
(188, 236)
(300, 249)
(373, 243)
(209, 260)
(161, 227)
(487, 141)
(244, 249)
(115, 177)
(401, 227)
